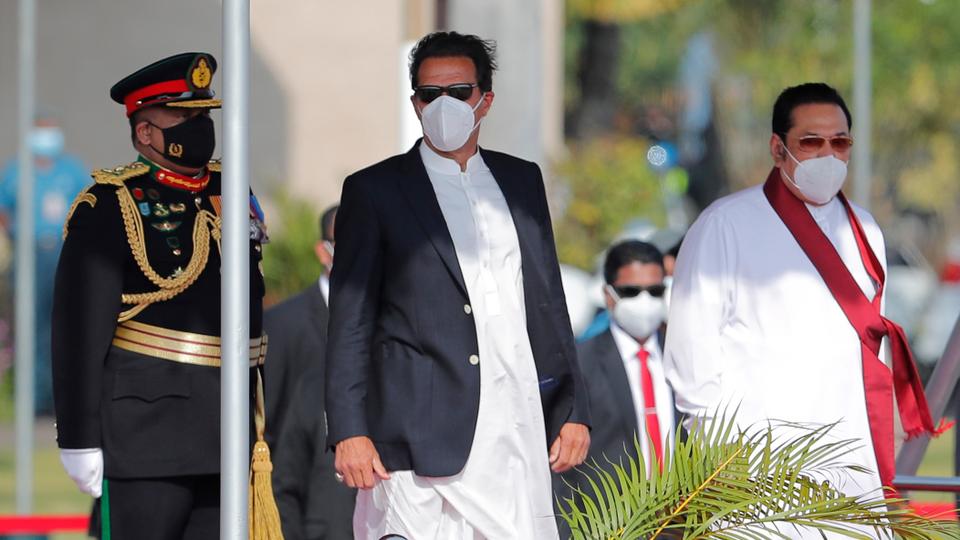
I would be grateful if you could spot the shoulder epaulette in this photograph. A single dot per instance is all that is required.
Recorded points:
(214, 165)
(84, 197)
(118, 175)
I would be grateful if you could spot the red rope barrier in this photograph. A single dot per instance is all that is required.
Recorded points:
(43, 524)
(935, 510)
(49, 524)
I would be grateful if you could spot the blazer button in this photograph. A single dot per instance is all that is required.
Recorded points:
(474, 359)
(467, 309)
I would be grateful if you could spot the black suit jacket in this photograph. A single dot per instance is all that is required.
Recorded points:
(613, 434)
(297, 328)
(312, 504)
(402, 335)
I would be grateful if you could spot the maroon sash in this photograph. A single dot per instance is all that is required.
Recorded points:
(864, 315)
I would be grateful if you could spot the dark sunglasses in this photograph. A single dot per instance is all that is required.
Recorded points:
(461, 91)
(813, 143)
(629, 291)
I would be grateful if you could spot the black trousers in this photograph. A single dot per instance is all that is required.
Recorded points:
(183, 507)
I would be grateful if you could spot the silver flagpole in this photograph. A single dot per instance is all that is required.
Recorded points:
(25, 306)
(862, 93)
(235, 271)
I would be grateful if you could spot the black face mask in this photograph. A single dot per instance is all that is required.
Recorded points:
(189, 143)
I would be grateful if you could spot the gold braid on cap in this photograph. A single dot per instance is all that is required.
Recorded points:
(207, 225)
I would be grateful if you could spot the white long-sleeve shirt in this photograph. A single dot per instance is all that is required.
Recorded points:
(752, 324)
(628, 347)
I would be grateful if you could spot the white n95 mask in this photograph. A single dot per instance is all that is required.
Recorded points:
(639, 316)
(448, 122)
(819, 179)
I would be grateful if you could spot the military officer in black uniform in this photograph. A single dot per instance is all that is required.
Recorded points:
(136, 322)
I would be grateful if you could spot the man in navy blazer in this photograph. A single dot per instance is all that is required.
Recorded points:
(421, 315)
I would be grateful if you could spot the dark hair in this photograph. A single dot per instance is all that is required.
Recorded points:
(675, 250)
(447, 44)
(135, 119)
(628, 252)
(326, 223)
(804, 94)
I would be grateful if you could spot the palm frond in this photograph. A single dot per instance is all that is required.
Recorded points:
(729, 484)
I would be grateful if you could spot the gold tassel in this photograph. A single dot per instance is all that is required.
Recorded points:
(263, 513)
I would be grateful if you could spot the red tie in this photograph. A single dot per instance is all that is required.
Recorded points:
(650, 407)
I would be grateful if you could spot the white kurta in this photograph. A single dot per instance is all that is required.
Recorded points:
(628, 347)
(504, 490)
(752, 323)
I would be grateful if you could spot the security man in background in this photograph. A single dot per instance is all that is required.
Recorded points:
(136, 319)
(313, 505)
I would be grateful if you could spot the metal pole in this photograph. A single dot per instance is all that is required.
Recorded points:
(25, 307)
(862, 92)
(942, 382)
(235, 271)
(927, 483)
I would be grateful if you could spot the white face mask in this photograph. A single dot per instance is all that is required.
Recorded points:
(639, 316)
(668, 283)
(448, 122)
(819, 179)
(46, 141)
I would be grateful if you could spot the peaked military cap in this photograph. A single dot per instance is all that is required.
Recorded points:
(181, 80)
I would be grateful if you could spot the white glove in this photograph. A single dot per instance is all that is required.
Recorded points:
(85, 467)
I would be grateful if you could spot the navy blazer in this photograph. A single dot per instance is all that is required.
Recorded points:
(401, 332)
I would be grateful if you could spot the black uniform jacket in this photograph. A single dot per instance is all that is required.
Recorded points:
(401, 365)
(152, 417)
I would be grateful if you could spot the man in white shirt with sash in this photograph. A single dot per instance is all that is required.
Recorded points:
(778, 296)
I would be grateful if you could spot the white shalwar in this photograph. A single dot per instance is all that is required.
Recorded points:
(753, 324)
(504, 490)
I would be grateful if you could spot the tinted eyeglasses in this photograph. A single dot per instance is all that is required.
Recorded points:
(461, 91)
(813, 143)
(629, 291)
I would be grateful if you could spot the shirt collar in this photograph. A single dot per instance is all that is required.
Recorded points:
(176, 180)
(824, 212)
(324, 284)
(629, 347)
(436, 163)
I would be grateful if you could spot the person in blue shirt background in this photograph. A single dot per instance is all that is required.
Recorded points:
(59, 178)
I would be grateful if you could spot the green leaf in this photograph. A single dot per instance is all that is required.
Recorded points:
(727, 483)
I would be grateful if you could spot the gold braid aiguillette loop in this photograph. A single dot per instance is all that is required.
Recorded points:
(215, 229)
(205, 225)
